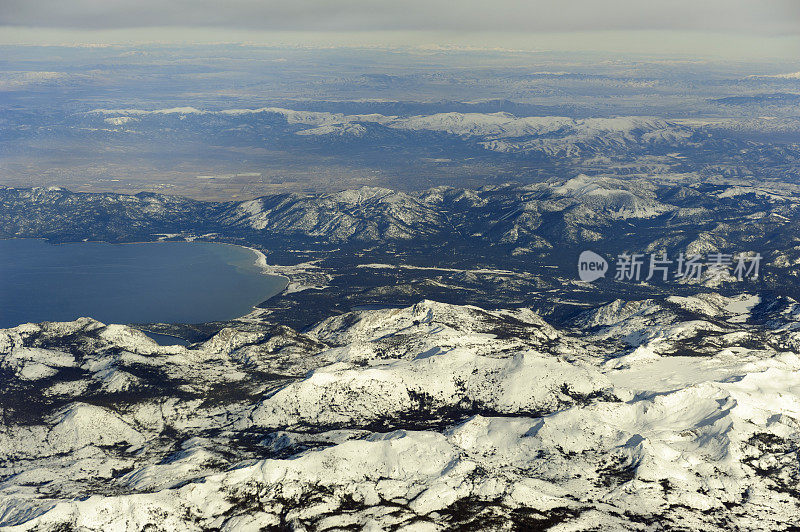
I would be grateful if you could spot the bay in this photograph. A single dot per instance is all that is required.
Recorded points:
(166, 282)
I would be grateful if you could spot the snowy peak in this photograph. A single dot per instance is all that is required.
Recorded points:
(406, 331)
(363, 214)
(414, 413)
(617, 198)
(551, 136)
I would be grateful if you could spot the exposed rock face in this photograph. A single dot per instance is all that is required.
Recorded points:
(679, 413)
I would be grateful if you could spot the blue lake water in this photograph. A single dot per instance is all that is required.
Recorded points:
(169, 282)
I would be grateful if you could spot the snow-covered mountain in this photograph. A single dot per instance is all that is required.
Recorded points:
(680, 414)
(367, 214)
(551, 136)
(573, 210)
(324, 146)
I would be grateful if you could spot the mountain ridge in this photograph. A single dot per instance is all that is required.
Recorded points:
(434, 415)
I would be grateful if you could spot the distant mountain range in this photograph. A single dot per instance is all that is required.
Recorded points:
(540, 217)
(550, 137)
(279, 148)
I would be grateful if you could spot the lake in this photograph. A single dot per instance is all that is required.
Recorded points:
(168, 282)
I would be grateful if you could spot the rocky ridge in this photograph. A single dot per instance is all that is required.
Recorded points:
(681, 413)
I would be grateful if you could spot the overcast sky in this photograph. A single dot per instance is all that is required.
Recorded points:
(744, 21)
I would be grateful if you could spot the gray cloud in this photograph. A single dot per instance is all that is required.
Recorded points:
(760, 17)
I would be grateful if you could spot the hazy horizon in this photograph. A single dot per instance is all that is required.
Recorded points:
(715, 29)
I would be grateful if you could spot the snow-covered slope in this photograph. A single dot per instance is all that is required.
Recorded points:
(365, 214)
(682, 216)
(555, 136)
(681, 413)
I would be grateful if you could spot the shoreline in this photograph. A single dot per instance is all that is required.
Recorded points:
(266, 269)
(260, 262)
